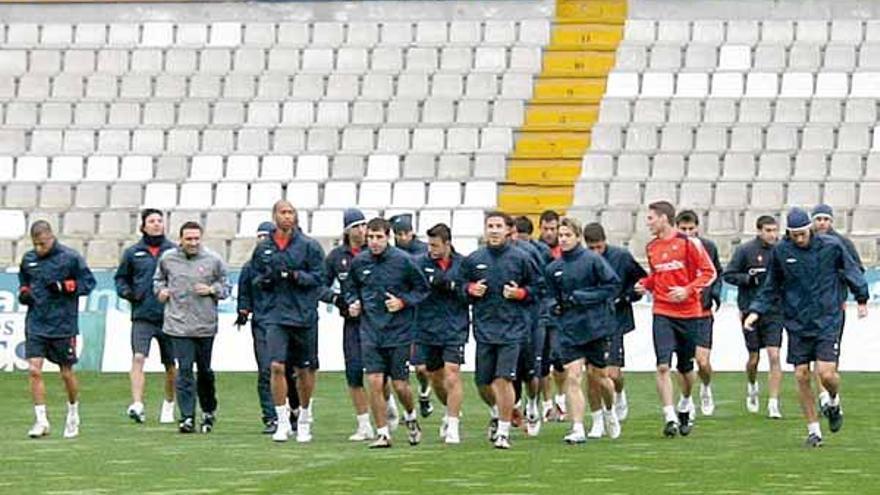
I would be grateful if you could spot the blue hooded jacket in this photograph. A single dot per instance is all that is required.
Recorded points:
(443, 316)
(134, 281)
(629, 271)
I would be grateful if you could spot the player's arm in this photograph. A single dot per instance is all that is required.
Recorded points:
(312, 275)
(123, 278)
(84, 279)
(245, 300)
(221, 287)
(327, 294)
(737, 272)
(25, 295)
(418, 288)
(770, 288)
(606, 288)
(160, 276)
(633, 273)
(852, 275)
(716, 284)
(697, 256)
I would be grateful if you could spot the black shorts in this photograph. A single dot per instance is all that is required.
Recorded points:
(496, 361)
(594, 352)
(765, 334)
(143, 332)
(531, 354)
(679, 336)
(61, 351)
(550, 352)
(297, 346)
(389, 361)
(351, 351)
(616, 355)
(803, 349)
(434, 357)
(704, 332)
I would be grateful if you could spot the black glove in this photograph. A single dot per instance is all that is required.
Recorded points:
(288, 276)
(266, 283)
(440, 281)
(341, 305)
(562, 305)
(754, 280)
(242, 318)
(55, 287)
(25, 296)
(129, 295)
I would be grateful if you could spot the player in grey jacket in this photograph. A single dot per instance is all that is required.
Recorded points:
(190, 280)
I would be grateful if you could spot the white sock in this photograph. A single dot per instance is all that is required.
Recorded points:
(409, 415)
(824, 398)
(835, 401)
(504, 428)
(392, 402)
(73, 408)
(560, 400)
(773, 403)
(304, 413)
(282, 415)
(578, 428)
(493, 412)
(533, 407)
(706, 389)
(620, 398)
(137, 406)
(814, 428)
(168, 402)
(669, 413)
(363, 421)
(452, 422)
(40, 413)
(548, 404)
(685, 403)
(753, 388)
(383, 432)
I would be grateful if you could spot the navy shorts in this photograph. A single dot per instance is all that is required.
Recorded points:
(392, 362)
(803, 349)
(704, 333)
(351, 351)
(616, 355)
(61, 351)
(531, 354)
(496, 361)
(679, 336)
(143, 332)
(297, 346)
(434, 357)
(594, 352)
(415, 357)
(550, 352)
(766, 334)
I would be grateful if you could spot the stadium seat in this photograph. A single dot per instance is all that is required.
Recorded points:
(91, 195)
(408, 195)
(337, 194)
(160, 195)
(374, 194)
(250, 220)
(444, 195)
(230, 195)
(468, 223)
(326, 223)
(14, 225)
(312, 168)
(305, 194)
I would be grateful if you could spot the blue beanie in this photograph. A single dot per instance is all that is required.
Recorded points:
(798, 219)
(352, 217)
(823, 210)
(265, 228)
(402, 223)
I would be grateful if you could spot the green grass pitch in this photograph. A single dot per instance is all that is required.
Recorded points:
(733, 452)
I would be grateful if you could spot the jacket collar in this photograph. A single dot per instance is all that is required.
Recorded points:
(574, 253)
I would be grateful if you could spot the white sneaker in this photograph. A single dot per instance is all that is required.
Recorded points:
(71, 426)
(136, 413)
(533, 424)
(621, 409)
(612, 424)
(362, 434)
(452, 436)
(753, 404)
(773, 412)
(707, 403)
(39, 430)
(574, 438)
(444, 427)
(597, 430)
(393, 418)
(304, 432)
(166, 416)
(283, 432)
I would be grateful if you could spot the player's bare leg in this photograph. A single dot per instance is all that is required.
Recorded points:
(621, 405)
(379, 406)
(405, 395)
(71, 425)
(575, 397)
(808, 405)
(752, 397)
(704, 367)
(305, 386)
(454, 395)
(38, 394)
(774, 383)
(279, 396)
(502, 390)
(831, 382)
(664, 392)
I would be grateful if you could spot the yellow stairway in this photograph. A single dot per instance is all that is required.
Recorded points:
(546, 160)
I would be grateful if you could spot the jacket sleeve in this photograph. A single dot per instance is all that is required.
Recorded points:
(607, 285)
(123, 277)
(419, 290)
(853, 252)
(351, 290)
(698, 257)
(719, 269)
(313, 273)
(245, 289)
(329, 277)
(221, 285)
(648, 280)
(770, 288)
(85, 280)
(737, 270)
(160, 277)
(550, 283)
(259, 270)
(852, 275)
(533, 281)
(24, 276)
(633, 273)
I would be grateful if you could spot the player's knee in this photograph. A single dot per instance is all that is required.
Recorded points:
(35, 372)
(278, 368)
(802, 374)
(138, 360)
(663, 369)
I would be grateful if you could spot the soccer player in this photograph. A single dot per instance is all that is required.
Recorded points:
(823, 223)
(384, 287)
(405, 239)
(134, 283)
(289, 267)
(629, 271)
(252, 302)
(553, 406)
(805, 269)
(688, 223)
(51, 278)
(500, 283)
(443, 324)
(680, 271)
(336, 271)
(584, 286)
(747, 270)
(190, 280)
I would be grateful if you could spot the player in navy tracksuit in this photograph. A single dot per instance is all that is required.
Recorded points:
(531, 364)
(443, 325)
(630, 272)
(289, 268)
(51, 279)
(501, 282)
(134, 283)
(554, 405)
(583, 286)
(747, 271)
(253, 303)
(688, 222)
(805, 268)
(823, 223)
(384, 288)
